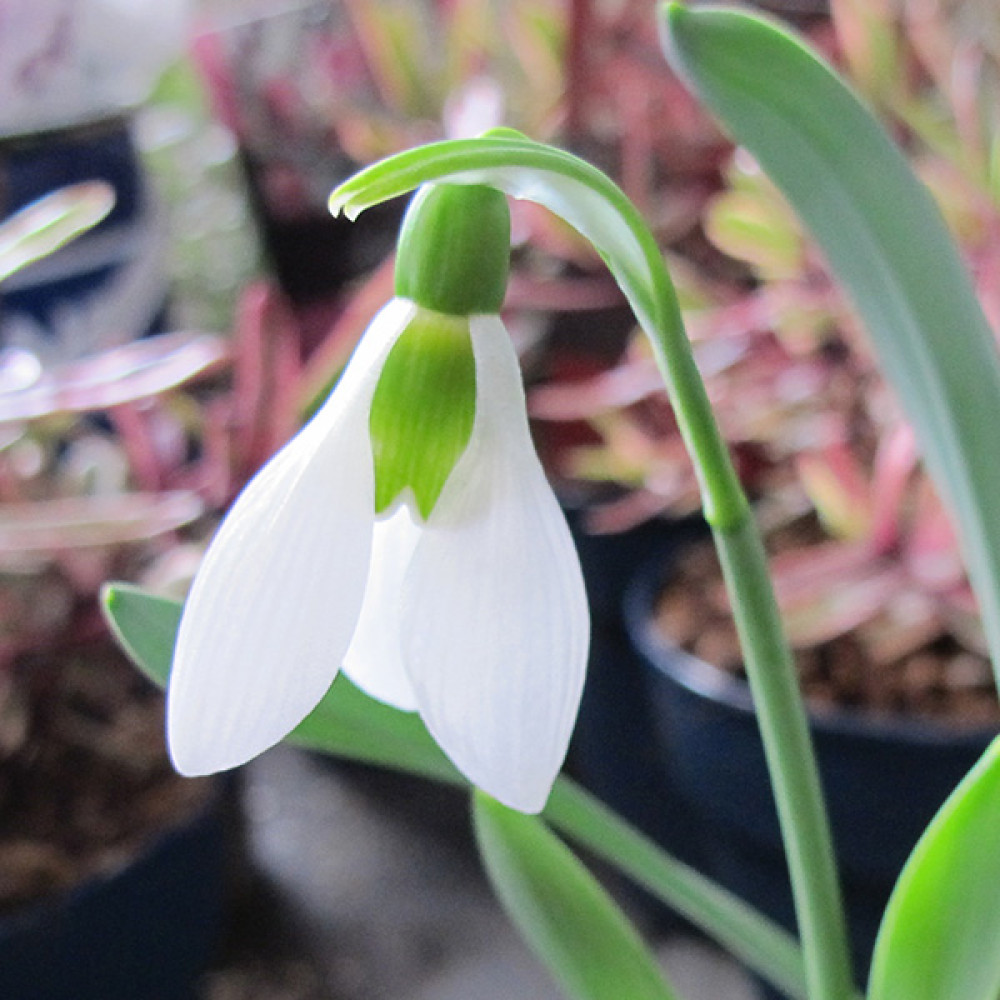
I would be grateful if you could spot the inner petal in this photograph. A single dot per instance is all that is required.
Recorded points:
(374, 660)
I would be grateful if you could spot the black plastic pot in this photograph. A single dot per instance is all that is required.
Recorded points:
(884, 778)
(314, 255)
(615, 752)
(143, 932)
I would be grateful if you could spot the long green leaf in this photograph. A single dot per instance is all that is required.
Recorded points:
(762, 945)
(567, 918)
(940, 938)
(886, 241)
(349, 723)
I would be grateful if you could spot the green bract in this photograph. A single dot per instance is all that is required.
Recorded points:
(423, 410)
(454, 249)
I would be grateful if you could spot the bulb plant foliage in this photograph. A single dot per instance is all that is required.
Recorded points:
(460, 554)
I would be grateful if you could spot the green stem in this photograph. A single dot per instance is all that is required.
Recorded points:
(795, 783)
(781, 712)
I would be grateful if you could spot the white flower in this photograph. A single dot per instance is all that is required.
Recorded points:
(474, 616)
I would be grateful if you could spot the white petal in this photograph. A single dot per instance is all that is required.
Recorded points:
(495, 619)
(374, 660)
(276, 598)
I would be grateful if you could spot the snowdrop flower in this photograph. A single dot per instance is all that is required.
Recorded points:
(407, 535)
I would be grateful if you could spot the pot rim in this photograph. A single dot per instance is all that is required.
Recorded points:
(712, 683)
(205, 821)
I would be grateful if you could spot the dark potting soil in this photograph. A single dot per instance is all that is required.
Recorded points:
(84, 775)
(939, 680)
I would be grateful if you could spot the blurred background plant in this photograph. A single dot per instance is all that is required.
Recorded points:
(104, 463)
(864, 558)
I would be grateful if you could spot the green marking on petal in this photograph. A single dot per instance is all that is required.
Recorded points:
(423, 410)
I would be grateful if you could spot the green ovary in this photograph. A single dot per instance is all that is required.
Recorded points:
(423, 410)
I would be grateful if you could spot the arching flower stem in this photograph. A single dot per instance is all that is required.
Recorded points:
(599, 210)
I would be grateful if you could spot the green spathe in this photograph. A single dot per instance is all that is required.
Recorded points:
(454, 249)
(423, 410)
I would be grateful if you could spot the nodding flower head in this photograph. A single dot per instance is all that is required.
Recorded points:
(406, 535)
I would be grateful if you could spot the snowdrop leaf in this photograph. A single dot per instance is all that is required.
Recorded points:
(567, 918)
(764, 946)
(494, 616)
(884, 238)
(346, 722)
(145, 626)
(938, 939)
(350, 724)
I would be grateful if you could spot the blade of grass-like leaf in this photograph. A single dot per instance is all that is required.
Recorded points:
(940, 937)
(886, 241)
(349, 723)
(145, 626)
(566, 917)
(766, 948)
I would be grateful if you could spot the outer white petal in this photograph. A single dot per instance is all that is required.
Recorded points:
(495, 619)
(275, 601)
(374, 660)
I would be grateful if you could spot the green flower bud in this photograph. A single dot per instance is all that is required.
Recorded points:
(454, 249)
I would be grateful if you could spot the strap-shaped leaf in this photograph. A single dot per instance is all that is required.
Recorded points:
(349, 723)
(885, 239)
(564, 914)
(940, 938)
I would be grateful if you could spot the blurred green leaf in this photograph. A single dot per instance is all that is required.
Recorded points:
(886, 241)
(145, 626)
(746, 226)
(567, 918)
(940, 937)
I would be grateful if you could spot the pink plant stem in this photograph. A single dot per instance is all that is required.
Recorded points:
(209, 55)
(132, 425)
(248, 368)
(276, 412)
(895, 464)
(581, 17)
(214, 479)
(633, 105)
